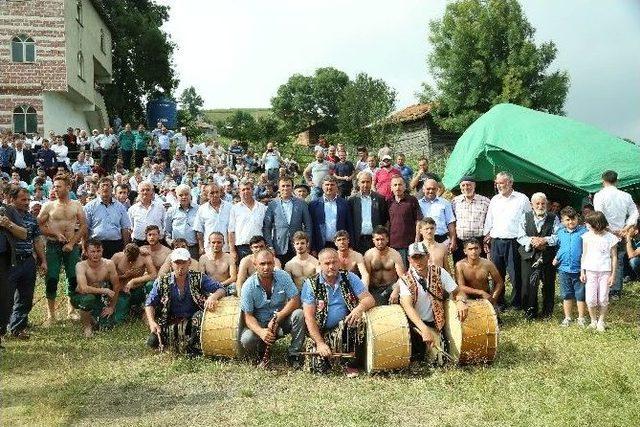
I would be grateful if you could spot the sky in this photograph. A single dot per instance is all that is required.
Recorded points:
(237, 53)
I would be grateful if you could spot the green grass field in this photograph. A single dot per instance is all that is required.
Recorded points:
(222, 113)
(544, 375)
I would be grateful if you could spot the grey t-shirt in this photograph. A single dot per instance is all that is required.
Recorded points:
(320, 170)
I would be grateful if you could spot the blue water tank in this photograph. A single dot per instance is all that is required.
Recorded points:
(161, 110)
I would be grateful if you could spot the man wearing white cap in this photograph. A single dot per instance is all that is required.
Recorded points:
(422, 296)
(178, 298)
(382, 177)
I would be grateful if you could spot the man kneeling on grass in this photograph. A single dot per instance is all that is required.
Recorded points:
(96, 294)
(174, 305)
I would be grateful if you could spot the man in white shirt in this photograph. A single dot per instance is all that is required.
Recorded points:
(180, 139)
(62, 152)
(622, 214)
(146, 212)
(212, 216)
(245, 221)
(501, 229)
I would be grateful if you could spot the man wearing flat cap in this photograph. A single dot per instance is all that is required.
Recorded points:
(470, 210)
(175, 304)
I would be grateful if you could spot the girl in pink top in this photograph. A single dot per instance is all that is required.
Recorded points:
(598, 266)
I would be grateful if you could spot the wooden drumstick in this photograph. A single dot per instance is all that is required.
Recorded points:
(333, 355)
(160, 343)
(437, 347)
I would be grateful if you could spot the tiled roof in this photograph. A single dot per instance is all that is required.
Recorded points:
(411, 113)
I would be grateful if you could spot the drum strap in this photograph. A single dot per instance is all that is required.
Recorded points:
(433, 285)
(320, 292)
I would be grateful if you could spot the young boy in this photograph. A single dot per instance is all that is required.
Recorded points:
(567, 260)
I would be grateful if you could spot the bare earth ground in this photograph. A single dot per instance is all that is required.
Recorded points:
(544, 375)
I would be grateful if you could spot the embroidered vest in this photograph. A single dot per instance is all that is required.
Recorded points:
(432, 286)
(164, 292)
(320, 292)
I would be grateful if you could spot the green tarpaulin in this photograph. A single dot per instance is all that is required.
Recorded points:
(542, 150)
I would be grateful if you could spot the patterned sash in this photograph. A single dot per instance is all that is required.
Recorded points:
(320, 292)
(164, 292)
(432, 285)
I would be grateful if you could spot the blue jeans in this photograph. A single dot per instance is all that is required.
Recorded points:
(570, 286)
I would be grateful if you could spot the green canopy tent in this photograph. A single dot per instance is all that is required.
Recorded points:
(557, 155)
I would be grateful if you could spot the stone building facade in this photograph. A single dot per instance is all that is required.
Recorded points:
(54, 55)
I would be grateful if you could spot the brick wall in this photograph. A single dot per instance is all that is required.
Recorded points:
(9, 101)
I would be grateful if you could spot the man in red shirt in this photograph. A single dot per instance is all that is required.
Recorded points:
(404, 212)
(383, 176)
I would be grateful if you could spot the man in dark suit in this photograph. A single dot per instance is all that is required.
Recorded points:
(368, 210)
(23, 161)
(285, 215)
(329, 214)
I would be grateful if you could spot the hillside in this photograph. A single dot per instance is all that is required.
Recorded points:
(222, 113)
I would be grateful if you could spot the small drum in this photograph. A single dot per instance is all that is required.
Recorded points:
(221, 329)
(388, 338)
(476, 339)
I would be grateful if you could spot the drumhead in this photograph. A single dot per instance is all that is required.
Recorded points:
(453, 329)
(221, 329)
(388, 342)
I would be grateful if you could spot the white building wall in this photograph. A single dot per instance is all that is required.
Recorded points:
(60, 113)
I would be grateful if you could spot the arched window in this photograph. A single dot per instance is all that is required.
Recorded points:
(25, 119)
(23, 49)
(80, 65)
(102, 41)
(79, 11)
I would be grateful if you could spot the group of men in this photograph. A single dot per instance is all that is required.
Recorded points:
(305, 268)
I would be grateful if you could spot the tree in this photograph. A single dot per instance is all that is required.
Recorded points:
(484, 54)
(142, 57)
(365, 103)
(310, 100)
(191, 101)
(240, 125)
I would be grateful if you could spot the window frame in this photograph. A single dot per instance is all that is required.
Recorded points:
(25, 114)
(24, 44)
(80, 58)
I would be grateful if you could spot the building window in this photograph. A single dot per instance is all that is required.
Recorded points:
(102, 41)
(79, 11)
(80, 65)
(25, 119)
(23, 49)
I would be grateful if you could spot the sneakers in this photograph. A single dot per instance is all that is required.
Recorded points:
(566, 322)
(600, 327)
(581, 322)
(593, 324)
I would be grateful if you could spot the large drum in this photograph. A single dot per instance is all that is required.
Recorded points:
(221, 329)
(476, 339)
(388, 339)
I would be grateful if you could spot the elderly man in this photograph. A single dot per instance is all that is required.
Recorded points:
(285, 216)
(107, 220)
(146, 212)
(178, 298)
(439, 209)
(180, 220)
(537, 239)
(404, 213)
(622, 214)
(470, 210)
(501, 229)
(270, 304)
(422, 294)
(329, 214)
(315, 173)
(333, 303)
(245, 221)
(368, 210)
(212, 216)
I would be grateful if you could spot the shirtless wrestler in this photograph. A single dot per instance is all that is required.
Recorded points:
(157, 251)
(438, 252)
(385, 266)
(63, 223)
(246, 268)
(97, 291)
(473, 273)
(219, 265)
(135, 271)
(348, 259)
(303, 264)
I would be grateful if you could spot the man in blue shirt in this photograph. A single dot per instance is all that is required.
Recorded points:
(164, 143)
(178, 298)
(334, 302)
(107, 220)
(179, 221)
(440, 210)
(270, 303)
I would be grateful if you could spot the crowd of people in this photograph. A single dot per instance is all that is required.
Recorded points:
(155, 222)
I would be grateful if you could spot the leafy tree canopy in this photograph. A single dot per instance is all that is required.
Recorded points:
(484, 54)
(191, 101)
